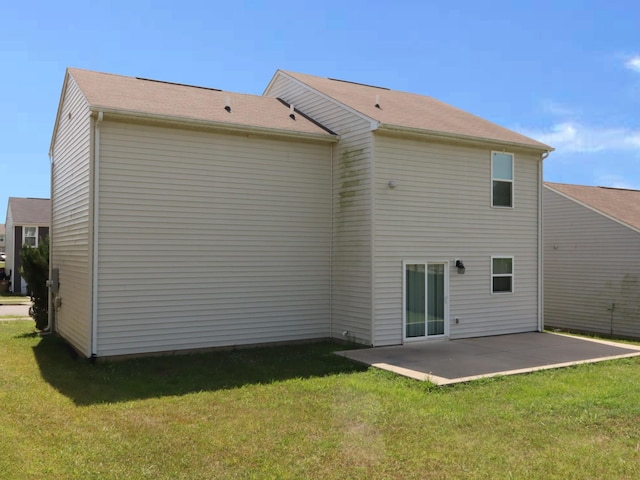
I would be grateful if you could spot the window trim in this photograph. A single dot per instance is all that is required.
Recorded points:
(512, 181)
(24, 236)
(502, 275)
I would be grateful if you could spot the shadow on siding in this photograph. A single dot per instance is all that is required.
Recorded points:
(151, 377)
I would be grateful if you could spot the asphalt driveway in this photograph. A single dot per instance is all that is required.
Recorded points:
(445, 362)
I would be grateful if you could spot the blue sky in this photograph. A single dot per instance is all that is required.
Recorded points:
(566, 73)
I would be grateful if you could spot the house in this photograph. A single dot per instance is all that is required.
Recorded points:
(3, 244)
(323, 208)
(27, 223)
(592, 259)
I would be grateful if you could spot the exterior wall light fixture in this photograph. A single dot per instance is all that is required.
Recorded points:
(460, 266)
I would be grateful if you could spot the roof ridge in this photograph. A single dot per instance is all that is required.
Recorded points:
(178, 84)
(621, 188)
(358, 83)
(147, 79)
(624, 189)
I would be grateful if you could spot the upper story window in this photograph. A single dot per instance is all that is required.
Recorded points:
(30, 236)
(502, 179)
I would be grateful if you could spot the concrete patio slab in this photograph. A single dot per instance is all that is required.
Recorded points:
(446, 362)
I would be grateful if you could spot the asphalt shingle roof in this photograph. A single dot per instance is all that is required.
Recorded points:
(410, 110)
(164, 99)
(30, 211)
(619, 203)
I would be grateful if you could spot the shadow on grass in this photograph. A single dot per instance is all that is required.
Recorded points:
(33, 334)
(86, 384)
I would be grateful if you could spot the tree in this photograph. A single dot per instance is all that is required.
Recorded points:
(35, 270)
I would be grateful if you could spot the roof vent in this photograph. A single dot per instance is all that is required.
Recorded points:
(227, 104)
(377, 101)
(292, 114)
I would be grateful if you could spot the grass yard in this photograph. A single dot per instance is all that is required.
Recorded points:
(300, 412)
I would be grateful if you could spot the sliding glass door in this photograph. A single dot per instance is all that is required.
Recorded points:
(425, 299)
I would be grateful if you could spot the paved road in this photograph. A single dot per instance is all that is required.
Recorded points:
(14, 310)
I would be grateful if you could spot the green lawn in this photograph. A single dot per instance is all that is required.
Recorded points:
(302, 413)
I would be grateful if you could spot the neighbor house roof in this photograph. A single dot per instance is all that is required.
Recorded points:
(30, 211)
(413, 111)
(618, 203)
(132, 95)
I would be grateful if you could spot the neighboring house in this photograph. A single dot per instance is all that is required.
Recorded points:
(27, 222)
(322, 209)
(592, 259)
(3, 244)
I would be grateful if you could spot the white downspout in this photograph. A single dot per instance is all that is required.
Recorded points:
(331, 237)
(541, 245)
(96, 209)
(50, 306)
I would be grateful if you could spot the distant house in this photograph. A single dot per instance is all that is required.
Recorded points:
(27, 222)
(592, 259)
(3, 244)
(323, 208)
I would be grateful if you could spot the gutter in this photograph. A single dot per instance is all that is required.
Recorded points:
(543, 156)
(221, 126)
(96, 210)
(384, 127)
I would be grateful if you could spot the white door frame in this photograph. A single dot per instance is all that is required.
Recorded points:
(425, 262)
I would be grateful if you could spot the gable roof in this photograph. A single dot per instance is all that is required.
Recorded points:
(412, 111)
(132, 95)
(30, 211)
(620, 204)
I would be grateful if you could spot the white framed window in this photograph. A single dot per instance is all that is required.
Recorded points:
(30, 236)
(502, 274)
(502, 179)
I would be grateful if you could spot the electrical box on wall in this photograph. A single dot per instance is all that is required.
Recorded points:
(54, 282)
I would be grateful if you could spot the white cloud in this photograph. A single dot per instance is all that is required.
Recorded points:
(574, 137)
(557, 109)
(633, 63)
(615, 181)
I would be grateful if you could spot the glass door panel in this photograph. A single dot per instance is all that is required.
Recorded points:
(435, 299)
(425, 299)
(415, 300)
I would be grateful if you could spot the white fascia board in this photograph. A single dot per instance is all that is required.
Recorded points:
(67, 75)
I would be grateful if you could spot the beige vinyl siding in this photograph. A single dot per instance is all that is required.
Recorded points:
(441, 210)
(591, 262)
(352, 211)
(210, 239)
(351, 248)
(70, 221)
